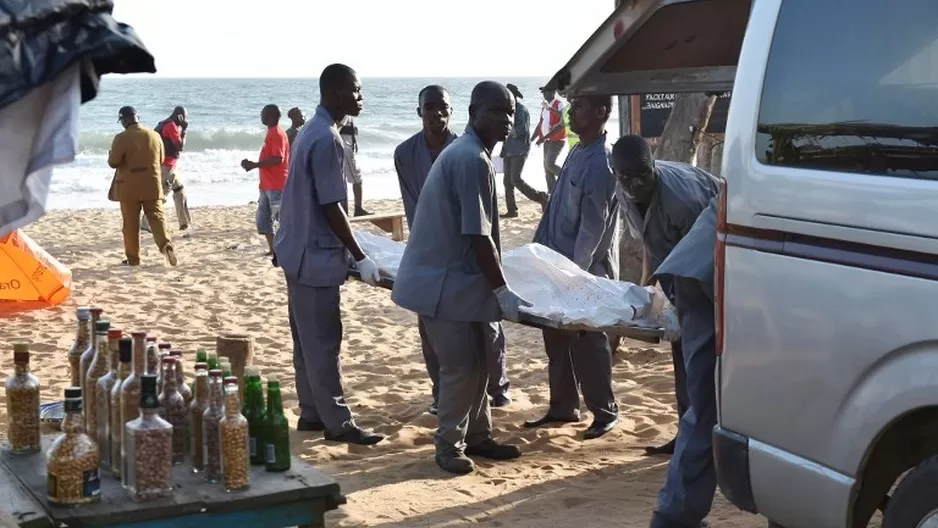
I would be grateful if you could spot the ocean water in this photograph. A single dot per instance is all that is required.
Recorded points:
(224, 116)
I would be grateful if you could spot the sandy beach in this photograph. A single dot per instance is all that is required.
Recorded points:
(223, 284)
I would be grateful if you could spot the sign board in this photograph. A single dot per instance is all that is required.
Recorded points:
(656, 107)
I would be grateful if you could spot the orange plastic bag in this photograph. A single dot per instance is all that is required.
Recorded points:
(30, 278)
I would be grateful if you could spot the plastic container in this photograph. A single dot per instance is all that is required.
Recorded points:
(116, 426)
(211, 437)
(235, 454)
(173, 409)
(22, 395)
(149, 448)
(72, 460)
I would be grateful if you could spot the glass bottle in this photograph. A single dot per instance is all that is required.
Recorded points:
(254, 412)
(225, 367)
(162, 351)
(116, 426)
(181, 384)
(173, 409)
(201, 356)
(103, 396)
(149, 448)
(153, 356)
(22, 395)
(90, 350)
(82, 338)
(72, 460)
(196, 413)
(211, 438)
(96, 369)
(213, 361)
(130, 393)
(235, 456)
(276, 429)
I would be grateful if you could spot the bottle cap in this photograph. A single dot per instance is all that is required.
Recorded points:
(252, 372)
(273, 378)
(165, 346)
(72, 392)
(166, 360)
(95, 311)
(176, 353)
(126, 349)
(215, 373)
(201, 365)
(148, 398)
(115, 333)
(102, 326)
(151, 339)
(20, 357)
(138, 334)
(83, 312)
(230, 380)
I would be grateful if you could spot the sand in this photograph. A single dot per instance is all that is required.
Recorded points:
(223, 284)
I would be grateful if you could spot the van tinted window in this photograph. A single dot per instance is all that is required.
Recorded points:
(852, 86)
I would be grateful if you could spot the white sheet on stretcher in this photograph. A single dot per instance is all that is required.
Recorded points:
(560, 290)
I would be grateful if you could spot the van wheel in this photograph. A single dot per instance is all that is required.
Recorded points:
(915, 502)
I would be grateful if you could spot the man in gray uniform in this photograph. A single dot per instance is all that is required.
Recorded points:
(662, 199)
(412, 160)
(581, 223)
(451, 275)
(312, 246)
(687, 495)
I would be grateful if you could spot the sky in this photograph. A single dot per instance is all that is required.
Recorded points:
(379, 38)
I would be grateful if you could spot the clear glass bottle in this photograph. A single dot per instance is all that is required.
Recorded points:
(130, 393)
(276, 432)
(173, 409)
(72, 460)
(149, 448)
(103, 396)
(82, 338)
(225, 366)
(90, 350)
(235, 454)
(96, 369)
(253, 410)
(153, 356)
(211, 436)
(116, 427)
(22, 395)
(163, 350)
(196, 413)
(181, 384)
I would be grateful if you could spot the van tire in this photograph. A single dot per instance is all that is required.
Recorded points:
(915, 497)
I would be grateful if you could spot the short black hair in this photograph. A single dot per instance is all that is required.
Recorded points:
(604, 101)
(633, 149)
(273, 109)
(429, 87)
(295, 111)
(334, 76)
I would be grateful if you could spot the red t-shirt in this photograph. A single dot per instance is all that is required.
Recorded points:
(274, 178)
(173, 133)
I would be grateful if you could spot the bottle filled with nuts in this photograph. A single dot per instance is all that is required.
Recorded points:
(149, 448)
(72, 460)
(130, 393)
(235, 454)
(89, 353)
(163, 349)
(116, 425)
(153, 356)
(276, 431)
(82, 338)
(211, 438)
(181, 384)
(173, 409)
(22, 394)
(196, 412)
(96, 370)
(254, 412)
(103, 396)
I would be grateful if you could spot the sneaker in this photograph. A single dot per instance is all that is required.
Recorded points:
(494, 451)
(170, 255)
(433, 409)
(500, 400)
(455, 462)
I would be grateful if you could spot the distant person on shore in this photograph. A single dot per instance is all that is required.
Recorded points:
(515, 152)
(297, 120)
(136, 154)
(551, 134)
(412, 161)
(353, 173)
(173, 131)
(451, 274)
(312, 246)
(272, 164)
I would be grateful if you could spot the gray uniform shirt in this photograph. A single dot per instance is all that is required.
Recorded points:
(439, 275)
(305, 245)
(582, 218)
(693, 257)
(412, 160)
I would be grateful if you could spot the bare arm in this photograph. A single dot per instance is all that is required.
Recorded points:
(338, 223)
(487, 257)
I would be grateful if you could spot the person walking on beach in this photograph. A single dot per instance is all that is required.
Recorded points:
(515, 151)
(353, 174)
(136, 154)
(312, 246)
(412, 161)
(551, 134)
(297, 120)
(582, 223)
(272, 164)
(451, 275)
(173, 131)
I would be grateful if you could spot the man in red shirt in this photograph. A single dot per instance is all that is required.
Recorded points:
(173, 131)
(272, 164)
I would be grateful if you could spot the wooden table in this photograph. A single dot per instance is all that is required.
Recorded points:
(390, 223)
(299, 497)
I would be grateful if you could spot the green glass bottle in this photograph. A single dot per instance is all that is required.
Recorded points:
(201, 356)
(213, 361)
(276, 429)
(253, 410)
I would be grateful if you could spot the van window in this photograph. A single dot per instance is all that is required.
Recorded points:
(852, 86)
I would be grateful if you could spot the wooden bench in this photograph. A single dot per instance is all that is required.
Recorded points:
(390, 223)
(298, 497)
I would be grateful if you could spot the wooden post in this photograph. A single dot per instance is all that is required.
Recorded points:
(239, 349)
(685, 127)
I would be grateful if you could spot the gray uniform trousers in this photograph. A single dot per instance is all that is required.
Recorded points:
(677, 355)
(551, 169)
(584, 360)
(316, 325)
(496, 368)
(463, 412)
(687, 495)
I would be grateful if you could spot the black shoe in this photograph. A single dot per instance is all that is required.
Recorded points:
(355, 435)
(309, 425)
(500, 400)
(548, 419)
(433, 408)
(666, 449)
(494, 451)
(597, 429)
(510, 214)
(126, 262)
(455, 462)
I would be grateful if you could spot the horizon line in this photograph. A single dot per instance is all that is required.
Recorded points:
(225, 77)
